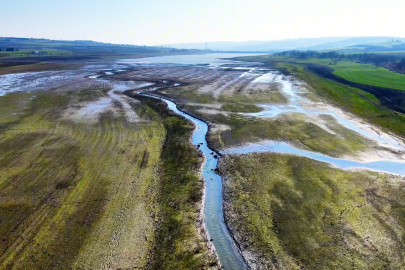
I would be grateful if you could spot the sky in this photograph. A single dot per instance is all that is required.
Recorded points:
(155, 22)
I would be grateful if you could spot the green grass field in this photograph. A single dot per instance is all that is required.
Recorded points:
(296, 213)
(369, 74)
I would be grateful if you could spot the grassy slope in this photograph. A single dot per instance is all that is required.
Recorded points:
(303, 214)
(75, 195)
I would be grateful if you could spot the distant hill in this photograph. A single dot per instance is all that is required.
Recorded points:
(325, 43)
(24, 47)
(384, 42)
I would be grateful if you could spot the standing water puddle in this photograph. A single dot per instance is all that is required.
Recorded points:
(285, 148)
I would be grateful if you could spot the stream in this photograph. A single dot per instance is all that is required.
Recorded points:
(218, 232)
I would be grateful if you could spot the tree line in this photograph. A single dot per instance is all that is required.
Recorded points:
(9, 49)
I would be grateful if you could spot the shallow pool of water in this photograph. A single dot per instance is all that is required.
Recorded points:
(213, 59)
(286, 148)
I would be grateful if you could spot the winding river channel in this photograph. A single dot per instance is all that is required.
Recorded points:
(218, 232)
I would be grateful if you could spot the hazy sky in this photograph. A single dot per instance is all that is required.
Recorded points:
(150, 22)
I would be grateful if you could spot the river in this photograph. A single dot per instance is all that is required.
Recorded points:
(224, 244)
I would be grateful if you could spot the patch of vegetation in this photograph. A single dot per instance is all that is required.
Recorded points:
(187, 94)
(239, 107)
(293, 128)
(297, 213)
(350, 99)
(269, 97)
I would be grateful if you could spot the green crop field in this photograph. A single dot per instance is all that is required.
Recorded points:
(369, 74)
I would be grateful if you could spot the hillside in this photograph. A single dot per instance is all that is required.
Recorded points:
(286, 44)
(27, 47)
